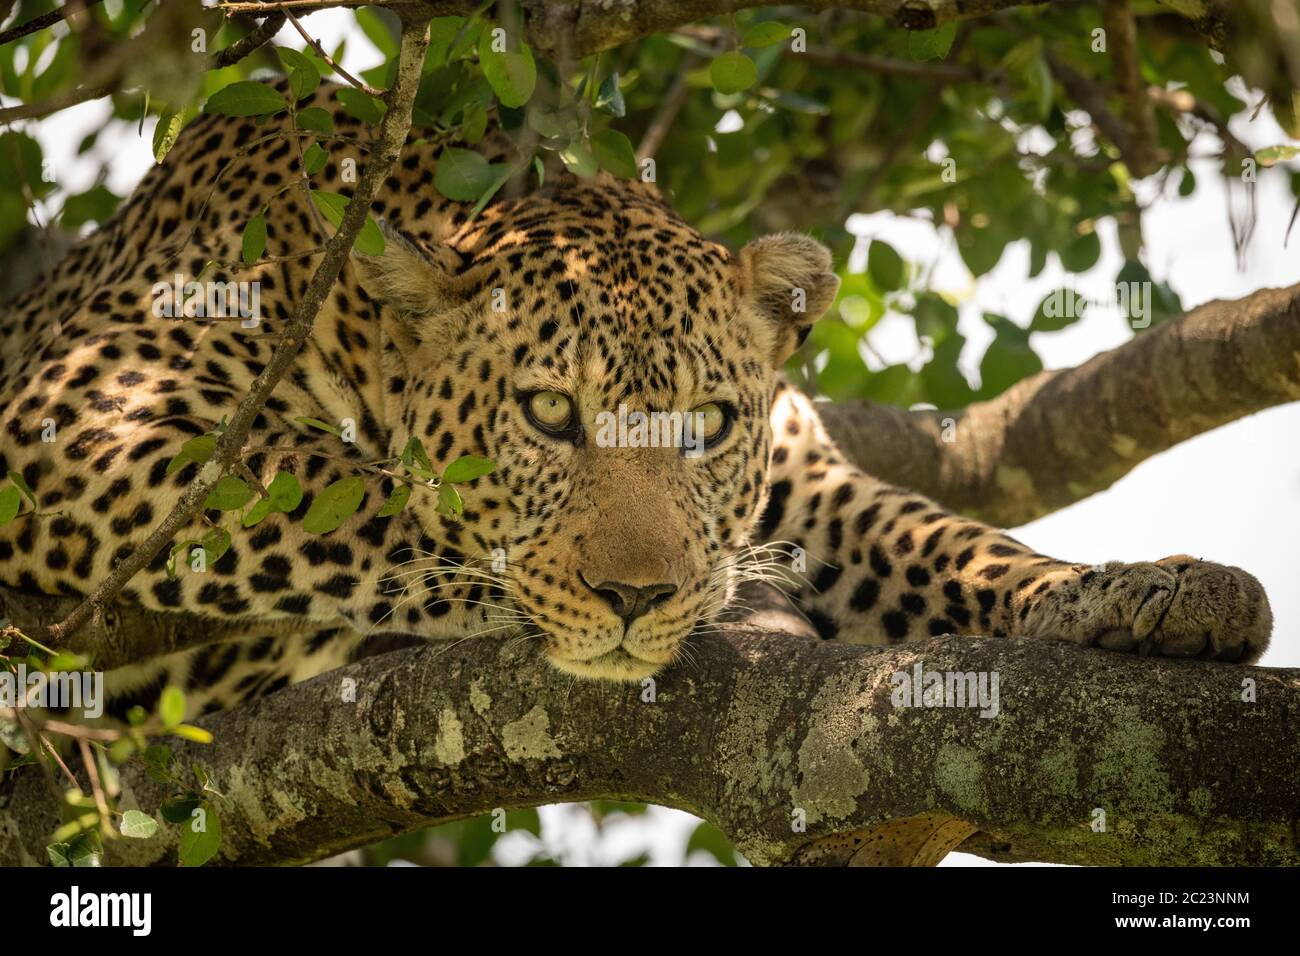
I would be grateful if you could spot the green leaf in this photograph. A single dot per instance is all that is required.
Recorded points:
(1272, 155)
(284, 493)
(165, 133)
(892, 385)
(190, 732)
(609, 98)
(215, 543)
(1057, 310)
(376, 31)
(298, 60)
(396, 501)
(500, 173)
(943, 383)
(765, 34)
(316, 120)
(171, 706)
(733, 72)
(885, 266)
(65, 661)
(320, 425)
(414, 454)
(96, 204)
(58, 854)
(303, 82)
(199, 846)
(449, 501)
(255, 237)
(713, 841)
(614, 152)
(462, 174)
(473, 125)
(198, 449)
(332, 206)
(935, 318)
(314, 159)
(229, 494)
(334, 505)
(180, 809)
(931, 44)
(512, 76)
(370, 240)
(11, 500)
(579, 160)
(1081, 253)
(137, 825)
(1038, 78)
(24, 487)
(546, 123)
(1008, 359)
(245, 98)
(467, 468)
(256, 514)
(157, 761)
(360, 105)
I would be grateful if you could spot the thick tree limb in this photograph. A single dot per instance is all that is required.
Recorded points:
(1060, 436)
(762, 732)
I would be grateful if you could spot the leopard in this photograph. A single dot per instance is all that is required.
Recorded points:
(503, 332)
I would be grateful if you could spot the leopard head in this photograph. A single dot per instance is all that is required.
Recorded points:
(619, 369)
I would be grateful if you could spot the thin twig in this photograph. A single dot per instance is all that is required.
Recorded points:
(96, 787)
(320, 52)
(255, 38)
(69, 11)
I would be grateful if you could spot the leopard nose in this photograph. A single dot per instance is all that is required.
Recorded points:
(630, 601)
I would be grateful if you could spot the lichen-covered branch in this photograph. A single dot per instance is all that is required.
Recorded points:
(1060, 436)
(794, 747)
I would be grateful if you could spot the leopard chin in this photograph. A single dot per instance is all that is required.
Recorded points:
(618, 664)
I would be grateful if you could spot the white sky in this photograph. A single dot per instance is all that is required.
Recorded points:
(1232, 495)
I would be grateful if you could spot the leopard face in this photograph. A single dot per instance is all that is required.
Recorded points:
(542, 339)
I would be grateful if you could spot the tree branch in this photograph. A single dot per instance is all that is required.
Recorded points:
(162, 31)
(72, 11)
(1139, 117)
(793, 747)
(1060, 436)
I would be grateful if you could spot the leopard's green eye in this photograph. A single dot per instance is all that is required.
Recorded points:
(713, 420)
(551, 410)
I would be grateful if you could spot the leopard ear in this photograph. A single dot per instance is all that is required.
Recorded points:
(789, 281)
(412, 278)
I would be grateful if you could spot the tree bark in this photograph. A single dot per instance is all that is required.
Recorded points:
(1060, 436)
(792, 746)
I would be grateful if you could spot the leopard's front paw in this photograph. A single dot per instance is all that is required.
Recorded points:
(1177, 607)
